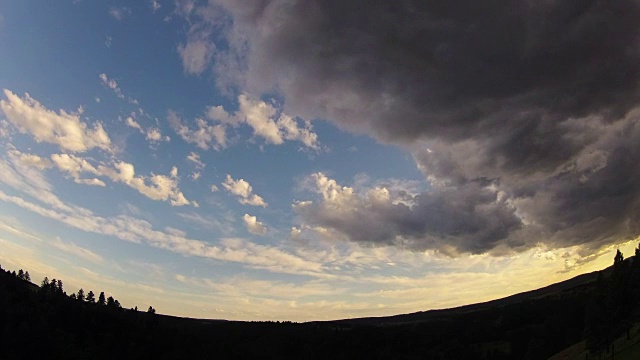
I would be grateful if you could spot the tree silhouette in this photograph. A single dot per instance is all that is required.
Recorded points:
(101, 299)
(608, 314)
(27, 276)
(91, 298)
(80, 295)
(151, 310)
(20, 274)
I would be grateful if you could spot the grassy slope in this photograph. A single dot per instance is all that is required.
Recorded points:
(625, 349)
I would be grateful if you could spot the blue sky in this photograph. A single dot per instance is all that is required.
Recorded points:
(206, 158)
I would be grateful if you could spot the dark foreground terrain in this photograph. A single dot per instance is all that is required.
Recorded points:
(43, 321)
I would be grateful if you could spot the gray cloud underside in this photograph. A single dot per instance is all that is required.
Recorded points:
(530, 101)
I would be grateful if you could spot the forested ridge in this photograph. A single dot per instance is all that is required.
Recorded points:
(44, 321)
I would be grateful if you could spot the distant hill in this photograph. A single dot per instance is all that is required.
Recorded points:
(579, 283)
(530, 325)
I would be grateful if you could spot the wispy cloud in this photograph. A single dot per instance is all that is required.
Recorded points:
(153, 134)
(155, 5)
(136, 230)
(119, 13)
(113, 84)
(80, 252)
(196, 55)
(195, 159)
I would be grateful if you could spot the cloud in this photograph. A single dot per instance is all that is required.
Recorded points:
(253, 225)
(422, 65)
(263, 119)
(74, 166)
(111, 84)
(258, 115)
(63, 129)
(152, 134)
(131, 122)
(244, 191)
(195, 159)
(210, 223)
(472, 218)
(196, 55)
(155, 187)
(241, 286)
(76, 250)
(218, 113)
(32, 160)
(516, 107)
(28, 181)
(205, 136)
(119, 13)
(155, 5)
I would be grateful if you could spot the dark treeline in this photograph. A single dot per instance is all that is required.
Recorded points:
(43, 321)
(614, 306)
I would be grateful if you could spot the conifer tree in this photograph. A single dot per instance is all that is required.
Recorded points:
(91, 298)
(80, 296)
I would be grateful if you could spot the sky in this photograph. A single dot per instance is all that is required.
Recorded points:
(313, 160)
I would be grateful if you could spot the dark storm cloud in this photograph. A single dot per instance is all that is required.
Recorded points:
(409, 69)
(471, 217)
(533, 96)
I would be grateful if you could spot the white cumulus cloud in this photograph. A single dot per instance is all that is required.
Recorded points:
(253, 225)
(155, 187)
(131, 122)
(263, 118)
(74, 165)
(206, 136)
(244, 191)
(63, 129)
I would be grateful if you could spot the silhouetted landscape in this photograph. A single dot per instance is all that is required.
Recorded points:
(45, 321)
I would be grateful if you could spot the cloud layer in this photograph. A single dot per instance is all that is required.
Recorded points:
(265, 119)
(521, 115)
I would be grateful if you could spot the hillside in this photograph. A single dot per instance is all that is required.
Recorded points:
(579, 283)
(530, 325)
